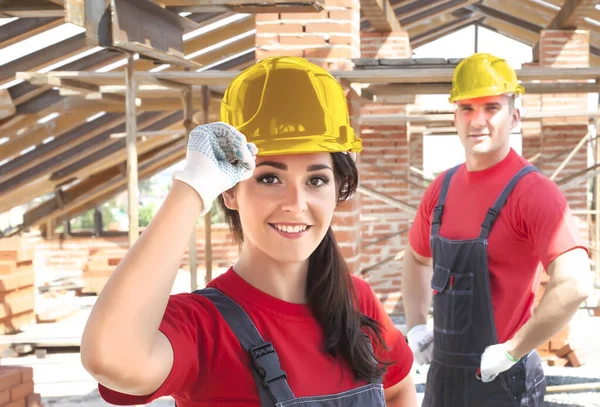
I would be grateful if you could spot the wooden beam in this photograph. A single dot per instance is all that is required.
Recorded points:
(160, 37)
(31, 9)
(513, 20)
(7, 107)
(21, 29)
(428, 15)
(564, 15)
(44, 57)
(132, 155)
(83, 160)
(101, 185)
(520, 8)
(380, 14)
(68, 131)
(510, 31)
(243, 6)
(444, 30)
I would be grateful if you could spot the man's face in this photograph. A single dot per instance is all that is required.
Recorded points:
(484, 124)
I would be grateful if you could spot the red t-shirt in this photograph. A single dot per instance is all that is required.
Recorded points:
(533, 228)
(210, 367)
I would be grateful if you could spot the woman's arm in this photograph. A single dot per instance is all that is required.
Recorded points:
(121, 344)
(402, 394)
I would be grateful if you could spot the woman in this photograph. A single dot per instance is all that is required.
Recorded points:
(287, 324)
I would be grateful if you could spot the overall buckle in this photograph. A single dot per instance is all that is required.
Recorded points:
(437, 214)
(490, 217)
(266, 363)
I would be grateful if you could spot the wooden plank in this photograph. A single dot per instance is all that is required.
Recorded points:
(31, 9)
(71, 166)
(446, 9)
(102, 185)
(44, 57)
(70, 132)
(511, 31)
(444, 30)
(7, 107)
(22, 29)
(132, 154)
(54, 168)
(564, 15)
(160, 36)
(243, 6)
(380, 14)
(521, 8)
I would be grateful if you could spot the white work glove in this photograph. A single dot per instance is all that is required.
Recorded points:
(218, 157)
(495, 360)
(420, 341)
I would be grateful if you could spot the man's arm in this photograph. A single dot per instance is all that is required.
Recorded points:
(570, 284)
(416, 287)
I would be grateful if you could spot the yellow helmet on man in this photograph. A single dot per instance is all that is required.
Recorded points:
(481, 75)
(287, 105)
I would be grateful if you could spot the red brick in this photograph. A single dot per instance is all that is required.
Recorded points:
(321, 15)
(4, 397)
(261, 53)
(301, 40)
(328, 52)
(9, 377)
(328, 27)
(34, 400)
(279, 28)
(21, 391)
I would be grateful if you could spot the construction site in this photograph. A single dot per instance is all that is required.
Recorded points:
(97, 99)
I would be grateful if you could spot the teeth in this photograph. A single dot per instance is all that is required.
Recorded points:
(291, 229)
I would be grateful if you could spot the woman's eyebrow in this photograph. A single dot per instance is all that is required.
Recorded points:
(275, 164)
(317, 167)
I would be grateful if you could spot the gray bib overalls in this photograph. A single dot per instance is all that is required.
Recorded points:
(464, 321)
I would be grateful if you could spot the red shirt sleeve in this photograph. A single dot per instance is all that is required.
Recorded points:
(398, 351)
(182, 326)
(548, 222)
(420, 230)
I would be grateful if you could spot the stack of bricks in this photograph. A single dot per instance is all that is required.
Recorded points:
(16, 387)
(100, 265)
(17, 290)
(557, 351)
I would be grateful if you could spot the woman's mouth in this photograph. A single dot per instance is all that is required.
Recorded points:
(290, 231)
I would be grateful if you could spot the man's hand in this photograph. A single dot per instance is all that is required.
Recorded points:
(420, 341)
(495, 360)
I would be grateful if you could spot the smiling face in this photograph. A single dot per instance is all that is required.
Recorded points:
(484, 125)
(286, 207)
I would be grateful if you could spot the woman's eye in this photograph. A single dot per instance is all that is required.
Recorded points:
(267, 179)
(318, 181)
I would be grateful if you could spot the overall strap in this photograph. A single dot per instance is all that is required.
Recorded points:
(494, 211)
(439, 209)
(270, 379)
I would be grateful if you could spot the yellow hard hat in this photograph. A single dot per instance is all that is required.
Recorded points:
(287, 105)
(483, 75)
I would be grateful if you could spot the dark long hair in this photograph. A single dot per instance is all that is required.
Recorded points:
(330, 292)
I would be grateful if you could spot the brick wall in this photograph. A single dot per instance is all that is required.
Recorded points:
(329, 38)
(561, 49)
(393, 44)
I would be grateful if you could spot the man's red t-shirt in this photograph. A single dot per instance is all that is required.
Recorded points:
(210, 367)
(534, 227)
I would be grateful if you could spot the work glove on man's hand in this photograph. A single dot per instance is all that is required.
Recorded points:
(495, 360)
(420, 341)
(218, 157)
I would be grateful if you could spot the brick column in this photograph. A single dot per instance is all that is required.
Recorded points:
(330, 39)
(561, 49)
(384, 168)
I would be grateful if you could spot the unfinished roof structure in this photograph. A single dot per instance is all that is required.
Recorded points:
(86, 117)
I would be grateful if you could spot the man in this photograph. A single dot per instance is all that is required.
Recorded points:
(483, 233)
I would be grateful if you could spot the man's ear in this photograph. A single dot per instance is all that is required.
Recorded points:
(230, 200)
(516, 117)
